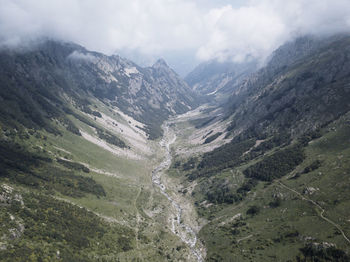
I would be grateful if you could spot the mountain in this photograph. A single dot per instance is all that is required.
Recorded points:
(214, 78)
(149, 95)
(305, 79)
(269, 175)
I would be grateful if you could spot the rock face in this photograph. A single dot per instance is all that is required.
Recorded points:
(50, 72)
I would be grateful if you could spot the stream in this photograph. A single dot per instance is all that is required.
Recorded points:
(178, 227)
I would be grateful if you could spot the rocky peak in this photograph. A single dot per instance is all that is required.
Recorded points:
(160, 64)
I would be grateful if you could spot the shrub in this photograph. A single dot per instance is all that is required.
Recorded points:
(253, 210)
(212, 138)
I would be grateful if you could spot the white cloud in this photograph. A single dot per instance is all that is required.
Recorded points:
(81, 56)
(260, 27)
(226, 29)
(238, 33)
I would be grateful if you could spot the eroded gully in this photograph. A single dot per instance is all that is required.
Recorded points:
(178, 226)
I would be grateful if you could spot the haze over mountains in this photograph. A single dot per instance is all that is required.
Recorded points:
(224, 30)
(247, 158)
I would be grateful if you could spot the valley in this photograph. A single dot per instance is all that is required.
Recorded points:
(103, 160)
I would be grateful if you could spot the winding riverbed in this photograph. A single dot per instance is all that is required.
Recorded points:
(178, 227)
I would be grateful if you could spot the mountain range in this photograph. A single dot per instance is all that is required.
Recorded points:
(259, 167)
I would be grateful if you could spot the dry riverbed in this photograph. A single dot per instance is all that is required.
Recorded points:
(182, 219)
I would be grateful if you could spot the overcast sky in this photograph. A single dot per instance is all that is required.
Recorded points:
(198, 29)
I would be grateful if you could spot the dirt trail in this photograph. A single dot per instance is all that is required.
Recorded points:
(319, 207)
